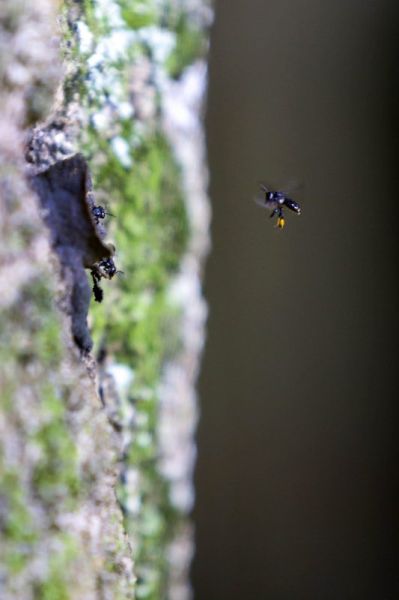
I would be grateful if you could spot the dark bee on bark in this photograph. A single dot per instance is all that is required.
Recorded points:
(66, 196)
(276, 201)
(103, 269)
(100, 213)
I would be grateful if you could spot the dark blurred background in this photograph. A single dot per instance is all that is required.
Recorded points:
(298, 435)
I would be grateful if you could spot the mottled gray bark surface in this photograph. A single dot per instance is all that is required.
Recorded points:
(61, 527)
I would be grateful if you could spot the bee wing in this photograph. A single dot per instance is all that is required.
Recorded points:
(261, 201)
(265, 187)
(293, 187)
(286, 186)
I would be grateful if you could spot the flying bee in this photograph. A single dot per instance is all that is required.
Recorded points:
(103, 269)
(99, 212)
(276, 202)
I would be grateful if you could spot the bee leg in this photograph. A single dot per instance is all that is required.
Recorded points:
(97, 290)
(95, 276)
(280, 220)
(274, 212)
(98, 293)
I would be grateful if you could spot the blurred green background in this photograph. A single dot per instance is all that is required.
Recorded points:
(298, 434)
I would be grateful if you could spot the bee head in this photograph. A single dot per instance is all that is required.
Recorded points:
(98, 212)
(107, 268)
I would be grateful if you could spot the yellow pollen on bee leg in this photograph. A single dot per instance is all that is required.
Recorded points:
(281, 222)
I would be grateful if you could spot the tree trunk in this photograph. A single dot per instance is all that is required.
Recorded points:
(100, 109)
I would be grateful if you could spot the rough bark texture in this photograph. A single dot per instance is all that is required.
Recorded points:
(62, 534)
(96, 449)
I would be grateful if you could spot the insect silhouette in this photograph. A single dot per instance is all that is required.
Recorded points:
(106, 269)
(99, 212)
(276, 201)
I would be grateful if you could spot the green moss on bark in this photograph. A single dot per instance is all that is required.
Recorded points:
(115, 63)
